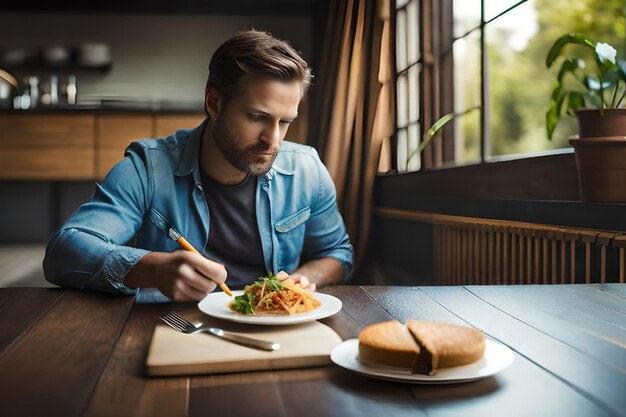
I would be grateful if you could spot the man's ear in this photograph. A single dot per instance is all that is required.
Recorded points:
(212, 102)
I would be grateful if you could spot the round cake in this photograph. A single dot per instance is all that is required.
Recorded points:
(422, 346)
(388, 343)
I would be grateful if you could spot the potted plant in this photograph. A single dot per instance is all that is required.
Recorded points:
(595, 96)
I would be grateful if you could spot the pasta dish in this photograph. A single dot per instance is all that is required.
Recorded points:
(269, 295)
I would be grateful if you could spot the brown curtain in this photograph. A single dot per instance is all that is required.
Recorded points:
(356, 107)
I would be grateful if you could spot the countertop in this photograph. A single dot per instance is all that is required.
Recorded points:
(112, 106)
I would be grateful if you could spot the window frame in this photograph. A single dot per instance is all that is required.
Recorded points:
(436, 79)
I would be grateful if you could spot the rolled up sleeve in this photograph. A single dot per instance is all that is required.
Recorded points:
(90, 251)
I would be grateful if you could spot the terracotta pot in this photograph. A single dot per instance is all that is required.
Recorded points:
(593, 124)
(601, 155)
(601, 166)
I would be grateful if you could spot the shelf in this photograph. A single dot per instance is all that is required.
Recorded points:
(46, 68)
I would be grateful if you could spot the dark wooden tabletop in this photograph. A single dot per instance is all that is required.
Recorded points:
(78, 353)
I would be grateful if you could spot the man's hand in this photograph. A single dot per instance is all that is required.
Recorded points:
(297, 279)
(319, 272)
(180, 275)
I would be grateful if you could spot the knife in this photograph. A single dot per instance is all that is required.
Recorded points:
(241, 340)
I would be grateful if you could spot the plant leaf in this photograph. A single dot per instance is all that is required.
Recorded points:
(596, 101)
(554, 113)
(569, 65)
(552, 118)
(573, 37)
(557, 93)
(574, 102)
(621, 70)
(439, 124)
(610, 79)
(434, 130)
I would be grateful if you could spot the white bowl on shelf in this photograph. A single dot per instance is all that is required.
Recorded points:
(56, 54)
(94, 54)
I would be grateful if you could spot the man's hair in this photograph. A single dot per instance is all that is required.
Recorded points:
(255, 53)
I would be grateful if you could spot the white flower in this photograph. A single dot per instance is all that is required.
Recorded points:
(606, 51)
(582, 64)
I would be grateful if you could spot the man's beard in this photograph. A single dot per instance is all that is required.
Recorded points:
(244, 159)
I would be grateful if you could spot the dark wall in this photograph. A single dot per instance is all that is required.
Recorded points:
(31, 211)
(536, 190)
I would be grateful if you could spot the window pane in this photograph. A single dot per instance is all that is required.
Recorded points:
(403, 101)
(495, 7)
(401, 40)
(401, 3)
(414, 93)
(519, 85)
(466, 16)
(413, 32)
(467, 95)
(401, 153)
(414, 139)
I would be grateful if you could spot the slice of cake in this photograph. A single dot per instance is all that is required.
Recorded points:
(444, 345)
(422, 346)
(388, 343)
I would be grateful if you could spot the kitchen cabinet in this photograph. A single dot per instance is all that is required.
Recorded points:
(65, 146)
(47, 146)
(113, 134)
(165, 124)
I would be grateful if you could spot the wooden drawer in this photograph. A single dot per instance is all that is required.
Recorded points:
(51, 164)
(113, 134)
(50, 147)
(166, 124)
(46, 131)
(77, 146)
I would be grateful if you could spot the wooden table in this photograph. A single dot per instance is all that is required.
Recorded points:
(75, 353)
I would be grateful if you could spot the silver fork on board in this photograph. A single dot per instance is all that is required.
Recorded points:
(181, 324)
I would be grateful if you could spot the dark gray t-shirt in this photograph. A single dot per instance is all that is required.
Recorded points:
(234, 238)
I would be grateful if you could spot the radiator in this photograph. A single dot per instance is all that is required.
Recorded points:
(469, 251)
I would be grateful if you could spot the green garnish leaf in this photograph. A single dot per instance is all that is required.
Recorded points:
(246, 302)
(243, 303)
(271, 282)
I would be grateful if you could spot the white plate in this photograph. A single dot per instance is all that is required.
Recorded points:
(216, 305)
(496, 358)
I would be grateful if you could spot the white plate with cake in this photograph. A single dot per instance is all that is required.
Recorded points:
(422, 352)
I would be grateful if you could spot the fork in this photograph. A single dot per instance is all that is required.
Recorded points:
(181, 324)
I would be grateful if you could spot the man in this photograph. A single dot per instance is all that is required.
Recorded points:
(249, 202)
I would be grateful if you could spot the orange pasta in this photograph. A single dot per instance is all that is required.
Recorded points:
(270, 295)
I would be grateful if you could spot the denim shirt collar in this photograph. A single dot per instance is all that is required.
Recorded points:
(190, 160)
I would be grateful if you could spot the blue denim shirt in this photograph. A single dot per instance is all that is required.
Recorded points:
(159, 181)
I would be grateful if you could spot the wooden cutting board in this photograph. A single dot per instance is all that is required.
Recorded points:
(302, 345)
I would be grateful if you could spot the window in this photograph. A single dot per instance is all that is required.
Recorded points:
(488, 55)
(408, 66)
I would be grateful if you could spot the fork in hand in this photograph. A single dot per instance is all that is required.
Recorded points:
(179, 323)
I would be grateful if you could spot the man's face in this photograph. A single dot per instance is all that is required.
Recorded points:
(249, 129)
